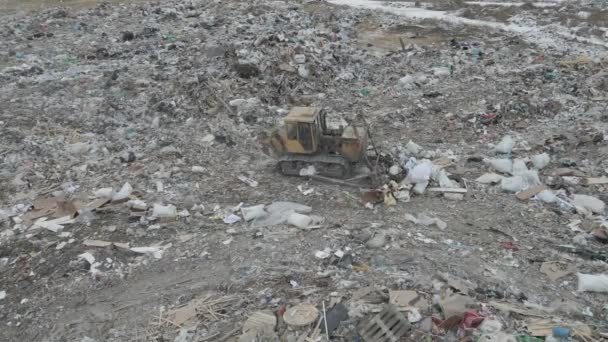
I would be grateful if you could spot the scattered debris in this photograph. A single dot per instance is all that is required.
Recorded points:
(589, 203)
(259, 322)
(93, 265)
(555, 269)
(137, 205)
(378, 240)
(530, 192)
(387, 326)
(232, 219)
(505, 145)
(198, 169)
(592, 282)
(96, 243)
(455, 304)
(304, 221)
(253, 212)
(324, 254)
(425, 220)
(301, 315)
(489, 178)
(596, 180)
(248, 181)
(504, 166)
(540, 161)
(207, 308)
(55, 225)
(123, 194)
(405, 299)
(334, 316)
(128, 127)
(164, 211)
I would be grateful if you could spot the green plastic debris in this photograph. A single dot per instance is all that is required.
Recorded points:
(477, 52)
(70, 60)
(130, 132)
(364, 92)
(170, 38)
(551, 75)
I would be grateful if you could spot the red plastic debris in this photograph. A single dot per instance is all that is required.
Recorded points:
(509, 245)
(488, 118)
(472, 319)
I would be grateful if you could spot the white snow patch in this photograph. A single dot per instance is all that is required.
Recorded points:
(552, 35)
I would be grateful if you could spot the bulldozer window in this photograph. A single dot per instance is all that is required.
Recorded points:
(292, 133)
(305, 136)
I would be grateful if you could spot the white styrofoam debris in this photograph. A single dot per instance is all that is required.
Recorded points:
(123, 193)
(500, 165)
(421, 173)
(505, 145)
(592, 282)
(540, 161)
(164, 211)
(489, 178)
(594, 205)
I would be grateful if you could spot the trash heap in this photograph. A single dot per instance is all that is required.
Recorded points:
(378, 314)
(137, 201)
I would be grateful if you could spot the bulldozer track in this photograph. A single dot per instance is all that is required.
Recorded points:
(326, 165)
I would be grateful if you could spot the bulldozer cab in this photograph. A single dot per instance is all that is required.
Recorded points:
(303, 127)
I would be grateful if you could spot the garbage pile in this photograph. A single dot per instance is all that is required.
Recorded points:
(137, 203)
(375, 313)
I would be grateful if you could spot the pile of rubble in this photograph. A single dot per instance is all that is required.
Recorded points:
(137, 201)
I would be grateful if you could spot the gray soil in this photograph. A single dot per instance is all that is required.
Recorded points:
(155, 79)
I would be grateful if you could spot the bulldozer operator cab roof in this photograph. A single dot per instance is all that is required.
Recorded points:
(302, 114)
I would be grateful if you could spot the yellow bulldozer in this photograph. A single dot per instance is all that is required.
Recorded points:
(305, 140)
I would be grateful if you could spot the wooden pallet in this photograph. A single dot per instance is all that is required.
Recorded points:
(387, 326)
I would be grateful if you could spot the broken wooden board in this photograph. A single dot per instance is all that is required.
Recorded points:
(455, 190)
(565, 171)
(97, 203)
(596, 180)
(55, 225)
(97, 243)
(525, 195)
(407, 299)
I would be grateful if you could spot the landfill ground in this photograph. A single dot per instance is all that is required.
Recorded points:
(97, 95)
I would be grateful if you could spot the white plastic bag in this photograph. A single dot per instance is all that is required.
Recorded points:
(413, 148)
(519, 167)
(540, 160)
(253, 212)
(513, 184)
(299, 220)
(500, 165)
(166, 211)
(505, 145)
(592, 282)
(590, 203)
(421, 173)
(489, 178)
(547, 196)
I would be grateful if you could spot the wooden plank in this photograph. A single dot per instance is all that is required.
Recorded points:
(333, 181)
(455, 190)
(530, 192)
(596, 180)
